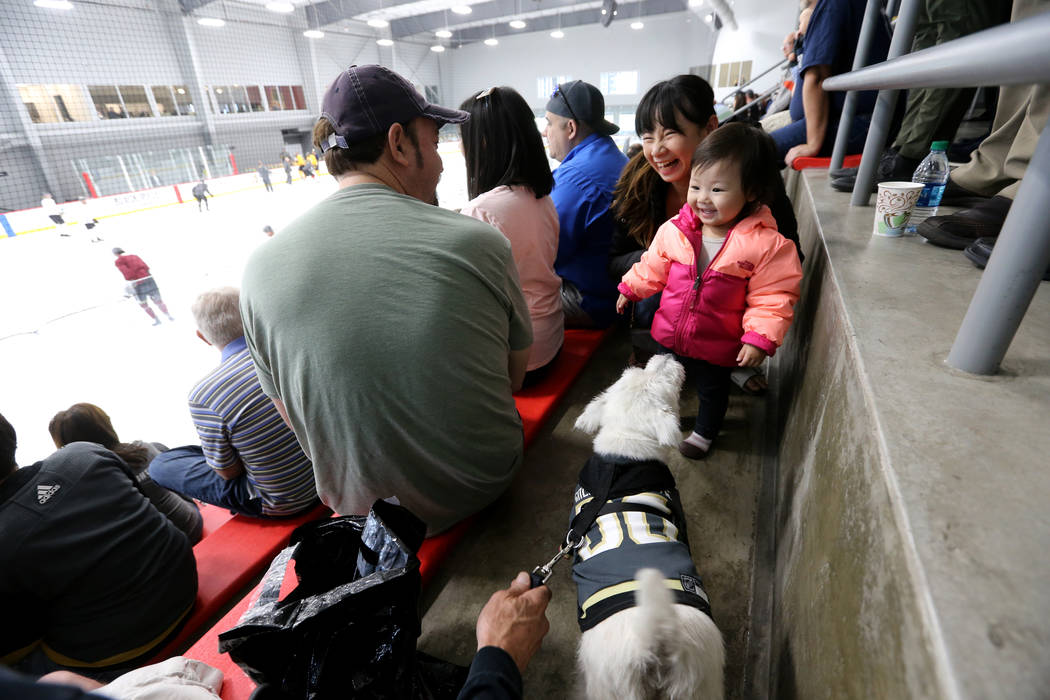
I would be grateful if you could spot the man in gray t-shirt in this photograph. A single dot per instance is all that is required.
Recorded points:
(389, 332)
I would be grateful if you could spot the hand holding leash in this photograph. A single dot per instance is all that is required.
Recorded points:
(541, 574)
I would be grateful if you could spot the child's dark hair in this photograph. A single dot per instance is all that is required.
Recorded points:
(501, 144)
(750, 148)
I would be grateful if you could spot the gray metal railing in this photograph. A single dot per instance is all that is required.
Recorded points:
(1017, 53)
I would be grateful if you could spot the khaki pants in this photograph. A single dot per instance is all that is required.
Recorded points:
(999, 163)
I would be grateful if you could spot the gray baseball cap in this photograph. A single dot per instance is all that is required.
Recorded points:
(366, 100)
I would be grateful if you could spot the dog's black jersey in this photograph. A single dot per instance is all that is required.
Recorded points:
(641, 526)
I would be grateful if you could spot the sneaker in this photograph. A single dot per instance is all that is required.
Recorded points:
(842, 172)
(962, 228)
(156, 322)
(691, 451)
(892, 167)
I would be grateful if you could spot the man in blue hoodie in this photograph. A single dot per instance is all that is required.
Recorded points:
(578, 136)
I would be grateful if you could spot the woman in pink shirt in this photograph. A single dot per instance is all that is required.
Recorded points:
(509, 181)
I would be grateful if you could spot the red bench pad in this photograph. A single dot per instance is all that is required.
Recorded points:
(228, 560)
(807, 162)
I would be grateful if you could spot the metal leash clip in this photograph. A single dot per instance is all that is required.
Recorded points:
(541, 574)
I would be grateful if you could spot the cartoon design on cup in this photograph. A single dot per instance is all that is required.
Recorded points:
(894, 205)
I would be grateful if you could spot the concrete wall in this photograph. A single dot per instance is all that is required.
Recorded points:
(847, 620)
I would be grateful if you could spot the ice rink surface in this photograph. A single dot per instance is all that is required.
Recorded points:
(68, 334)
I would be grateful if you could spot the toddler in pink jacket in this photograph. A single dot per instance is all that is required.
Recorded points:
(729, 279)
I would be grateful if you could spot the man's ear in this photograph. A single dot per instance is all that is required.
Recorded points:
(572, 127)
(397, 140)
(201, 336)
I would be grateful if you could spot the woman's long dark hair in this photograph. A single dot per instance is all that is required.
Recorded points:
(86, 422)
(501, 144)
(692, 98)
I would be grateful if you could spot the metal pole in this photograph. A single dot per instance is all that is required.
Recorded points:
(1019, 259)
(903, 33)
(860, 59)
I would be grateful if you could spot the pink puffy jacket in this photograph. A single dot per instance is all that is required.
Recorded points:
(747, 293)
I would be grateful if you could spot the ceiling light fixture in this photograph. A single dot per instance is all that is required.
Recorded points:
(54, 4)
(491, 41)
(637, 25)
(437, 48)
(709, 18)
(211, 22)
(313, 34)
(461, 9)
(280, 7)
(385, 42)
(443, 34)
(517, 24)
(378, 23)
(557, 34)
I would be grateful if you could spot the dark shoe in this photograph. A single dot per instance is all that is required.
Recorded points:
(846, 183)
(691, 451)
(956, 196)
(980, 250)
(841, 172)
(892, 167)
(962, 228)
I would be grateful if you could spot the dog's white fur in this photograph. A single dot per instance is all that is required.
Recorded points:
(657, 649)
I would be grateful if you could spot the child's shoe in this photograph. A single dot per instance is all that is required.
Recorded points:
(695, 446)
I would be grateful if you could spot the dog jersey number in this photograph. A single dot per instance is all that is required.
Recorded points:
(642, 528)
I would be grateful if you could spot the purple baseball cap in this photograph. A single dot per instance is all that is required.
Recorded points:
(366, 100)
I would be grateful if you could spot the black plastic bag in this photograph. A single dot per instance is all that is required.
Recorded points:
(349, 628)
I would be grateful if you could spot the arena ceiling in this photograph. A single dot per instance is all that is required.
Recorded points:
(466, 21)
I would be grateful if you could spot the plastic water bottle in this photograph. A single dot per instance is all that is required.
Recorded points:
(933, 174)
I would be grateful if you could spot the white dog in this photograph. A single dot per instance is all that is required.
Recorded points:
(647, 630)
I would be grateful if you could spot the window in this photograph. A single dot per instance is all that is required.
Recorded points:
(223, 101)
(545, 84)
(626, 120)
(107, 102)
(300, 98)
(273, 97)
(162, 96)
(48, 104)
(623, 82)
(733, 74)
(286, 97)
(239, 98)
(183, 101)
(255, 101)
(135, 101)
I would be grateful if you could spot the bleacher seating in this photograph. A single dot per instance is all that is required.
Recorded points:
(535, 405)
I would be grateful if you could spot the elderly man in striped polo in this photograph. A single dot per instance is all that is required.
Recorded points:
(248, 461)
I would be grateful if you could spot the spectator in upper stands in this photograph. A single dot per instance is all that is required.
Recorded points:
(578, 136)
(673, 118)
(828, 47)
(509, 182)
(92, 576)
(932, 114)
(388, 331)
(86, 422)
(989, 182)
(248, 461)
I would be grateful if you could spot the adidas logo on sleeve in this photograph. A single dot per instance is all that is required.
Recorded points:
(45, 491)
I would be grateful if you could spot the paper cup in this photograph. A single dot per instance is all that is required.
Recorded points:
(893, 207)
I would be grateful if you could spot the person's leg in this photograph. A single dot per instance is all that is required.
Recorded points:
(712, 388)
(149, 312)
(161, 305)
(999, 163)
(786, 137)
(186, 471)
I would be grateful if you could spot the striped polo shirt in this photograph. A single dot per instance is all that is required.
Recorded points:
(237, 421)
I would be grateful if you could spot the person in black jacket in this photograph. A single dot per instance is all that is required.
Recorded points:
(92, 576)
